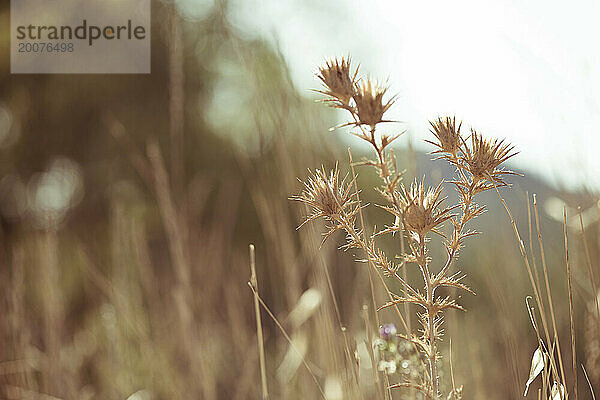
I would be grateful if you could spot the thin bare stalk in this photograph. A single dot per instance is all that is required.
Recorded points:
(369, 345)
(259, 331)
(533, 258)
(362, 227)
(535, 289)
(588, 382)
(548, 291)
(289, 340)
(572, 323)
(176, 100)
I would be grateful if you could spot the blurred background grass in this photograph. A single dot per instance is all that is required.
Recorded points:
(127, 204)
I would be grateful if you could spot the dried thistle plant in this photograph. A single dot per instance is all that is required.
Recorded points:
(417, 212)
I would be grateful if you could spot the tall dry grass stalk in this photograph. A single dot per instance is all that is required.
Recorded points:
(259, 332)
(417, 212)
(176, 101)
(54, 313)
(548, 359)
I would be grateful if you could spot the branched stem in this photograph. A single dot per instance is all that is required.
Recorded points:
(417, 209)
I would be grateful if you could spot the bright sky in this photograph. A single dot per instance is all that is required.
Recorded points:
(528, 71)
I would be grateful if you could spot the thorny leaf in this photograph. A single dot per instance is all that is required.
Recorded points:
(538, 362)
(408, 258)
(446, 303)
(454, 281)
(417, 300)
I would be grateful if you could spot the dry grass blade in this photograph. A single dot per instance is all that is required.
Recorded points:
(588, 382)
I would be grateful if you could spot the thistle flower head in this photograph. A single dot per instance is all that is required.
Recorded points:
(369, 102)
(485, 156)
(447, 134)
(326, 195)
(421, 208)
(387, 330)
(338, 79)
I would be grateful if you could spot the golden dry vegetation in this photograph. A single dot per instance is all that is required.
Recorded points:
(128, 205)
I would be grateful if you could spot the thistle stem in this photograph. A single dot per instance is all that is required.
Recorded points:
(433, 355)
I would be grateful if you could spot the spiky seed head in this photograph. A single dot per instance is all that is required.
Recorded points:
(369, 102)
(327, 195)
(485, 156)
(447, 134)
(421, 211)
(338, 79)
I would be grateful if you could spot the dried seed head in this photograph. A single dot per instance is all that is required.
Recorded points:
(485, 156)
(421, 211)
(326, 195)
(338, 80)
(447, 135)
(369, 102)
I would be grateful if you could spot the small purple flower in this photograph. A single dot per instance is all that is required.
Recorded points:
(387, 330)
